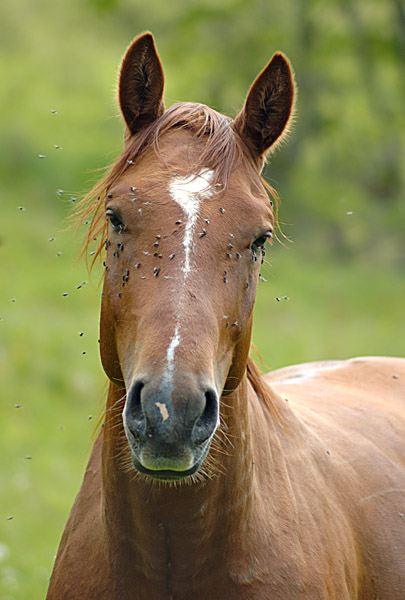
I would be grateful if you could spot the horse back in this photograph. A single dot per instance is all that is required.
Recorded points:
(351, 419)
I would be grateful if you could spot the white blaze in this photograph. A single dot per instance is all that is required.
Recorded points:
(188, 192)
(174, 342)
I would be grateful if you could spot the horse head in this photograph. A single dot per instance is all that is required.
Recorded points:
(188, 219)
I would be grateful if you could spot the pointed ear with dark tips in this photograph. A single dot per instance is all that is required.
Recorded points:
(141, 84)
(268, 109)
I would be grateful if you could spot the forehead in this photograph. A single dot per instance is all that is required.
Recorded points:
(173, 171)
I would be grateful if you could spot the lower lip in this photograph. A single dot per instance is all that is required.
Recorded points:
(165, 475)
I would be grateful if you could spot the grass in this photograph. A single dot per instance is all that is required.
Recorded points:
(49, 390)
(334, 311)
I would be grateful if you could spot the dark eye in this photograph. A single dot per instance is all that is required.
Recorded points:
(115, 221)
(259, 243)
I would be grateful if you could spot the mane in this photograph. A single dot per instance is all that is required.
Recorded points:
(222, 151)
(262, 390)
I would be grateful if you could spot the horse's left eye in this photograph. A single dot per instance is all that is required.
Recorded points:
(259, 243)
(115, 221)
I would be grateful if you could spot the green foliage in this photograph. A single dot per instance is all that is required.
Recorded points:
(341, 177)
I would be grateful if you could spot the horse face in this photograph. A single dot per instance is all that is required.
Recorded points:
(188, 218)
(183, 261)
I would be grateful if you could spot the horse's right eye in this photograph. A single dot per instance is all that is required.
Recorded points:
(115, 221)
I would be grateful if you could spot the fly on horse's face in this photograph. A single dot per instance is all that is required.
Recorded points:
(184, 252)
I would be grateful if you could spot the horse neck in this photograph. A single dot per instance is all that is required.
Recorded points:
(191, 527)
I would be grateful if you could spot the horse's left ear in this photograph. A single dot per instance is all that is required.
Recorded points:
(268, 108)
(141, 84)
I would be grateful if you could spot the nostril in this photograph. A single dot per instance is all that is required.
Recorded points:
(210, 412)
(206, 424)
(133, 412)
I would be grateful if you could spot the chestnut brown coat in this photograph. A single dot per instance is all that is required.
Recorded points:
(207, 481)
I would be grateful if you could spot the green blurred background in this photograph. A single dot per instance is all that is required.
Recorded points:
(341, 179)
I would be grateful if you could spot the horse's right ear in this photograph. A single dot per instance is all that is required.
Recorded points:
(141, 84)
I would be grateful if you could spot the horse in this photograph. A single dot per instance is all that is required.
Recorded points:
(208, 481)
